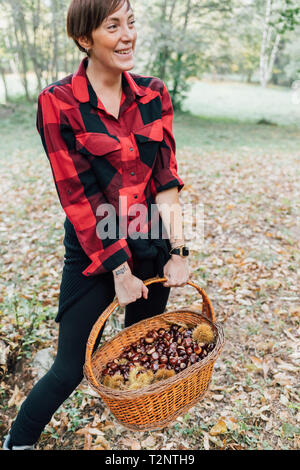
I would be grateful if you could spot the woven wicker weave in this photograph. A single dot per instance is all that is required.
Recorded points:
(156, 405)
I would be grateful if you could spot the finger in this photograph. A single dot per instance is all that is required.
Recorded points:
(145, 291)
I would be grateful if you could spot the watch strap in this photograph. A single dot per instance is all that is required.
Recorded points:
(182, 251)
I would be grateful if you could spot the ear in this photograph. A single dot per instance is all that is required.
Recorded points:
(83, 41)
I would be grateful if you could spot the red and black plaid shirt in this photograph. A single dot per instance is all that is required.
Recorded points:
(96, 158)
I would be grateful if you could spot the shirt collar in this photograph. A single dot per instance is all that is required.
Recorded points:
(83, 91)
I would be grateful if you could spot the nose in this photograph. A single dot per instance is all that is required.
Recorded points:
(127, 34)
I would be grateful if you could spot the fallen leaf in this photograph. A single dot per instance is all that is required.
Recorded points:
(219, 428)
(101, 444)
(133, 444)
(149, 442)
(217, 397)
(16, 398)
(295, 311)
(282, 379)
(205, 441)
(87, 442)
(257, 361)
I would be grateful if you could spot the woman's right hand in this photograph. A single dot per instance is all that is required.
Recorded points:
(128, 287)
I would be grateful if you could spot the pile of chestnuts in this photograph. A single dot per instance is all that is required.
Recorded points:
(159, 355)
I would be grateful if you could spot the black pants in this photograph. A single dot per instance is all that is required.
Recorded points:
(75, 325)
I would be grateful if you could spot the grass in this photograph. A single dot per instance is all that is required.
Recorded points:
(225, 135)
(243, 102)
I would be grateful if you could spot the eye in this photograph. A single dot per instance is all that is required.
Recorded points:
(112, 26)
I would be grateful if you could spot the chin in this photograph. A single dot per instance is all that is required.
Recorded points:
(126, 67)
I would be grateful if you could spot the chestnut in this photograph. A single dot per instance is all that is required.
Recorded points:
(149, 338)
(173, 360)
(154, 366)
(161, 331)
(167, 336)
(163, 359)
(187, 342)
(154, 334)
(151, 350)
(189, 351)
(193, 358)
(197, 349)
(155, 355)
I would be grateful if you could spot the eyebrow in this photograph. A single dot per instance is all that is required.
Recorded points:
(115, 18)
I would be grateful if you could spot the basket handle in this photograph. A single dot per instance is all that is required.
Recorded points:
(207, 307)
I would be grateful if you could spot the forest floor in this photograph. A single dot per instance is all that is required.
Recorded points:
(245, 179)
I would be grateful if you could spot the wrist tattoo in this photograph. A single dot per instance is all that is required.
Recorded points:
(121, 270)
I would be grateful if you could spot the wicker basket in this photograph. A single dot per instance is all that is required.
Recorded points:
(156, 405)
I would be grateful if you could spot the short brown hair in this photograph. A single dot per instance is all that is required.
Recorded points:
(84, 16)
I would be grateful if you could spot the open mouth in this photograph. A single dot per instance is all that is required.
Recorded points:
(124, 52)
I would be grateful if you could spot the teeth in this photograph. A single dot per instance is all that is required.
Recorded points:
(127, 51)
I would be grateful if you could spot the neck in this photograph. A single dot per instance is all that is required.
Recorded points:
(103, 77)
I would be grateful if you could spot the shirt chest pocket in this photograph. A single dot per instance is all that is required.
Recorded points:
(96, 144)
(148, 139)
(104, 154)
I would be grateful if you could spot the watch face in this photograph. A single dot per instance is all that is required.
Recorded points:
(185, 251)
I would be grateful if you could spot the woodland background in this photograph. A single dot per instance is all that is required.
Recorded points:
(233, 71)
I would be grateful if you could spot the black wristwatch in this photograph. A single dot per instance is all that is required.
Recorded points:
(182, 251)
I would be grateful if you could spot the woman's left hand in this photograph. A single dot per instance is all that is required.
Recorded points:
(176, 270)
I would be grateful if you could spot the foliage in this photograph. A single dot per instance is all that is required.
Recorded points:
(177, 40)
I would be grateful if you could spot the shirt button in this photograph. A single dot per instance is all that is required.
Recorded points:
(132, 173)
(135, 197)
(131, 149)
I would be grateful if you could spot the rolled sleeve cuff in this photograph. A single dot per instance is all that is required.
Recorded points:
(109, 259)
(167, 180)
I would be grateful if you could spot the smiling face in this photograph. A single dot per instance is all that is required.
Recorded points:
(114, 40)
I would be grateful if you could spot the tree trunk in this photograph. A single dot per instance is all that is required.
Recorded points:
(2, 72)
(21, 49)
(177, 75)
(267, 61)
(55, 41)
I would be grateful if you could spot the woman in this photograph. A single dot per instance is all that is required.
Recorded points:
(108, 138)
